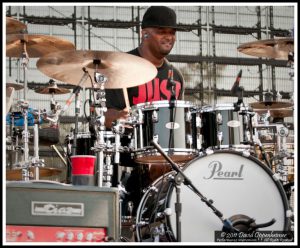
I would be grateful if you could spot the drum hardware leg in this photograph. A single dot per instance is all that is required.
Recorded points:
(25, 137)
(220, 139)
(36, 161)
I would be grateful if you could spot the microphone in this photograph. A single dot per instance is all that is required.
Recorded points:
(235, 86)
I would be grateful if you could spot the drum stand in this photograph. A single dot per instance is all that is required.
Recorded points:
(35, 161)
(100, 145)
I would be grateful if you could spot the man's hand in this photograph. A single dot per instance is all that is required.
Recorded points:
(112, 115)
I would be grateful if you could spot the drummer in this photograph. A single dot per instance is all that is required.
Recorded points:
(158, 38)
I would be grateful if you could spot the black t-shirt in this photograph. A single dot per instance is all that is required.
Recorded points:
(155, 90)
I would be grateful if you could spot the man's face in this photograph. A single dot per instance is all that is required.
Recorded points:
(161, 40)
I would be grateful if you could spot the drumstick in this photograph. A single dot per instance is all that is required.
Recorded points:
(126, 98)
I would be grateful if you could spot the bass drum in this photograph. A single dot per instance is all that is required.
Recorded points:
(240, 186)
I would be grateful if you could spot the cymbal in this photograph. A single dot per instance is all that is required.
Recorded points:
(52, 89)
(273, 48)
(16, 174)
(36, 45)
(122, 70)
(270, 105)
(14, 26)
(277, 113)
(16, 86)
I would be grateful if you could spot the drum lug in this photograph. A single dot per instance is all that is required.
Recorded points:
(220, 137)
(154, 116)
(189, 139)
(199, 141)
(188, 116)
(219, 118)
(198, 122)
(155, 138)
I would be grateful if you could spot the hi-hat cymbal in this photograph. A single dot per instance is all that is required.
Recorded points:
(122, 70)
(14, 26)
(16, 174)
(273, 48)
(52, 89)
(16, 86)
(270, 105)
(36, 45)
(277, 113)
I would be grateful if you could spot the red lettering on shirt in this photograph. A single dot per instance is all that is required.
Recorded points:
(148, 93)
(141, 95)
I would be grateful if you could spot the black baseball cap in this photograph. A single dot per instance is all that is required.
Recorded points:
(160, 16)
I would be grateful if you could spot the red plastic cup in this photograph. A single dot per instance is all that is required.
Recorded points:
(83, 167)
(83, 164)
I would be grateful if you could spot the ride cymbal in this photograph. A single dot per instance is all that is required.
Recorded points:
(273, 48)
(35, 45)
(52, 89)
(16, 174)
(270, 105)
(122, 70)
(14, 26)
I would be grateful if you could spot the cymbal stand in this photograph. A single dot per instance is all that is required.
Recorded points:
(24, 63)
(25, 136)
(77, 111)
(36, 161)
(100, 126)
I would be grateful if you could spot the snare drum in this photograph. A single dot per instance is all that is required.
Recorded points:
(174, 125)
(240, 190)
(226, 127)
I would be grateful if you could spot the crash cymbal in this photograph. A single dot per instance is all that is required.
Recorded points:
(270, 105)
(273, 48)
(16, 174)
(122, 70)
(36, 45)
(277, 113)
(16, 86)
(14, 26)
(52, 89)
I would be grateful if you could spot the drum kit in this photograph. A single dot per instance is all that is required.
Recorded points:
(207, 148)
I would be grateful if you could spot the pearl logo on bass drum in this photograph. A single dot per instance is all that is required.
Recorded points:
(217, 172)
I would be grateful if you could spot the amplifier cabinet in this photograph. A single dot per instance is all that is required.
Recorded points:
(60, 205)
